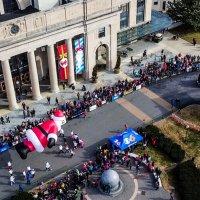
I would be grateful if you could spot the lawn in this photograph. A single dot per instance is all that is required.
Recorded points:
(186, 33)
(191, 114)
(189, 140)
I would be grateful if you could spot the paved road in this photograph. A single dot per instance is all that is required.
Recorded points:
(98, 126)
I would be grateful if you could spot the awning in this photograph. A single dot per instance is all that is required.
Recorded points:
(159, 22)
(126, 139)
(23, 4)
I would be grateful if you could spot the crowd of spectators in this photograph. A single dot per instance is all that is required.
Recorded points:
(71, 184)
(154, 71)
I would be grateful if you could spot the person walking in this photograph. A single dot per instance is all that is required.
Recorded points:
(9, 165)
(23, 106)
(56, 101)
(32, 172)
(194, 41)
(20, 188)
(78, 96)
(60, 149)
(10, 171)
(2, 120)
(48, 166)
(12, 180)
(7, 119)
(62, 133)
(24, 114)
(49, 100)
(24, 174)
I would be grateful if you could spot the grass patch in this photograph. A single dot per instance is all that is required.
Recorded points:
(191, 114)
(189, 140)
(186, 33)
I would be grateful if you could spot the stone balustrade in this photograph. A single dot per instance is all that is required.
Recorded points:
(39, 23)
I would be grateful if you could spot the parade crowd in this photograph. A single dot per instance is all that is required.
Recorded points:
(71, 184)
(79, 107)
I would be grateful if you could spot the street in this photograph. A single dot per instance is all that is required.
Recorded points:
(98, 126)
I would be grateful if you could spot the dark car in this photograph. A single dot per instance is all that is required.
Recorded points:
(129, 49)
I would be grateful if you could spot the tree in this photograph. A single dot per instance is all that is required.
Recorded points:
(186, 11)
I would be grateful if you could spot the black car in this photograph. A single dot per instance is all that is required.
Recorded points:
(129, 49)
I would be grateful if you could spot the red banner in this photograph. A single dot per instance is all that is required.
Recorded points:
(63, 62)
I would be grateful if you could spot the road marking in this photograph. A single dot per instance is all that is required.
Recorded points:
(134, 110)
(156, 98)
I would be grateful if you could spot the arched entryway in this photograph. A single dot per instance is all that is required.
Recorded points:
(102, 57)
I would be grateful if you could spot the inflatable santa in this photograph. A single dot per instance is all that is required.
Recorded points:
(42, 136)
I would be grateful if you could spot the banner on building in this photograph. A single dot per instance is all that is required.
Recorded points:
(79, 55)
(63, 68)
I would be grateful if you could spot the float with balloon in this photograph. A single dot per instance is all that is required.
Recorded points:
(42, 136)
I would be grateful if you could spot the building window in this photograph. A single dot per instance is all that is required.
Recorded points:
(140, 10)
(102, 32)
(10, 6)
(124, 16)
(155, 3)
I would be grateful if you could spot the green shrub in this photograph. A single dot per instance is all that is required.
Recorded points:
(167, 145)
(177, 153)
(188, 180)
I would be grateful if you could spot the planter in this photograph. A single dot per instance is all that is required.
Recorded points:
(116, 70)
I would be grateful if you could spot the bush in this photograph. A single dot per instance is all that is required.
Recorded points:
(177, 153)
(165, 144)
(188, 180)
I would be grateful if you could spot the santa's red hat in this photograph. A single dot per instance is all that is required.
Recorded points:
(59, 116)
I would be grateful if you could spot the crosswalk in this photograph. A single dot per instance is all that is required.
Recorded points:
(141, 112)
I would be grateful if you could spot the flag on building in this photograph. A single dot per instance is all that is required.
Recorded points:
(63, 69)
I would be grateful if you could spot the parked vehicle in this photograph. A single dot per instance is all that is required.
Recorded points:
(129, 49)
(157, 37)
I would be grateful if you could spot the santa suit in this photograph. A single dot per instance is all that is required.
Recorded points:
(39, 137)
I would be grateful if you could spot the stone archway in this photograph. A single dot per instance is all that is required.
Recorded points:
(102, 57)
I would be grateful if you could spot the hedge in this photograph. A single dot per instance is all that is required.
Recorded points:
(165, 144)
(22, 196)
(188, 180)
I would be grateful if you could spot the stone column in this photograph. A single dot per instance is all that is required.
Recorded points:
(34, 75)
(10, 91)
(132, 13)
(52, 69)
(71, 62)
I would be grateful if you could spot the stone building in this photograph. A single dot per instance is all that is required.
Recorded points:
(160, 5)
(38, 37)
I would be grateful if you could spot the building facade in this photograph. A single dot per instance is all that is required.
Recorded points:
(161, 5)
(68, 36)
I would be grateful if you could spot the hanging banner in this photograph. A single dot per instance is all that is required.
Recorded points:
(62, 62)
(79, 57)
